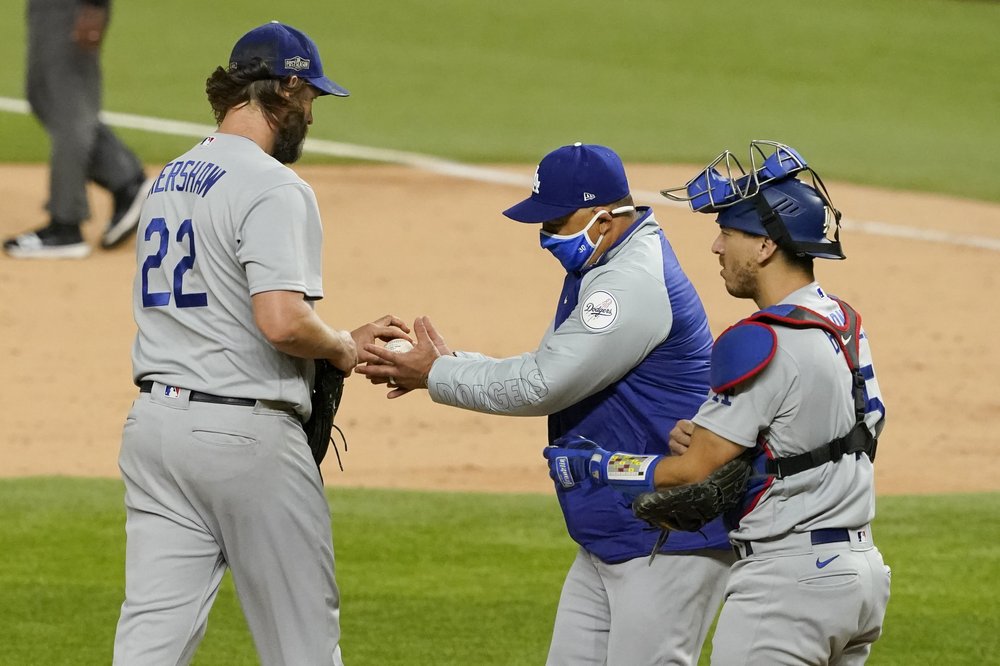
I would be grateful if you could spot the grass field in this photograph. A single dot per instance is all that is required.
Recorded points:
(442, 578)
(883, 92)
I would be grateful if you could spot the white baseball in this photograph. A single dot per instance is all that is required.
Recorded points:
(399, 345)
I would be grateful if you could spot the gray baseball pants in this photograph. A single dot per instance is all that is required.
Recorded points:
(636, 613)
(212, 486)
(797, 604)
(64, 91)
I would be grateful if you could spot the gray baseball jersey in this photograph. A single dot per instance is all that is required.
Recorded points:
(217, 470)
(808, 561)
(226, 221)
(801, 401)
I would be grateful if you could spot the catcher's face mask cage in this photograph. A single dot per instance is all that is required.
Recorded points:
(768, 200)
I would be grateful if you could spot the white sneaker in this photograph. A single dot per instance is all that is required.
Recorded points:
(48, 243)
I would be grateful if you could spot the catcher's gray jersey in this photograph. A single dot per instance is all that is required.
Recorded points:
(258, 225)
(800, 401)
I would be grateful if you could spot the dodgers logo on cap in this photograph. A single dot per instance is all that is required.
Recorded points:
(286, 51)
(569, 178)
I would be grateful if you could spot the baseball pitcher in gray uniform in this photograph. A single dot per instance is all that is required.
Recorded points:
(795, 385)
(624, 358)
(217, 470)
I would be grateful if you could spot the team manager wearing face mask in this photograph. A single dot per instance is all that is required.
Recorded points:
(626, 356)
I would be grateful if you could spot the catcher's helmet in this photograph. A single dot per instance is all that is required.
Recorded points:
(768, 200)
(794, 215)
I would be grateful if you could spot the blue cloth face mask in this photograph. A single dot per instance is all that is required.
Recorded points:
(575, 250)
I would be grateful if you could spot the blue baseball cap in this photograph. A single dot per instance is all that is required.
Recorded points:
(286, 51)
(570, 178)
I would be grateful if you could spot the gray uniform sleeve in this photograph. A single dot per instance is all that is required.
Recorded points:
(753, 407)
(584, 355)
(280, 239)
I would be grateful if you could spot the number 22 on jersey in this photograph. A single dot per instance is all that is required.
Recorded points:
(155, 299)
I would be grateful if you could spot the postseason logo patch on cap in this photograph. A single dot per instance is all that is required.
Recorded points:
(298, 63)
(286, 52)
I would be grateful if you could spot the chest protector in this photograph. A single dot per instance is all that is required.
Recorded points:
(745, 349)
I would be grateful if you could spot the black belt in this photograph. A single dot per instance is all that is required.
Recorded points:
(198, 396)
(829, 535)
(817, 537)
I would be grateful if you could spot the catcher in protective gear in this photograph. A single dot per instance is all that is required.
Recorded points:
(687, 507)
(328, 388)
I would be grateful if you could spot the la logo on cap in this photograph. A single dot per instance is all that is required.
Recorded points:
(576, 176)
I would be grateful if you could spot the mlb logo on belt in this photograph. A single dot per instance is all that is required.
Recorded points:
(171, 391)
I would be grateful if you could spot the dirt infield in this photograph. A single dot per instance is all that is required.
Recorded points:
(412, 243)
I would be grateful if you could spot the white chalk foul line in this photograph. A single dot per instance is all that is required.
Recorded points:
(486, 174)
(874, 228)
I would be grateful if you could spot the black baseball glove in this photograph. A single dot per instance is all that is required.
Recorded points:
(328, 387)
(688, 508)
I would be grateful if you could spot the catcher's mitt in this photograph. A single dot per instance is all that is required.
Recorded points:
(688, 508)
(328, 387)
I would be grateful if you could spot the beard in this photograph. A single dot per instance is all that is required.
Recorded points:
(741, 281)
(291, 136)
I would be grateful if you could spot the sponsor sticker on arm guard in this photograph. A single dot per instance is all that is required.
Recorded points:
(629, 466)
(599, 310)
